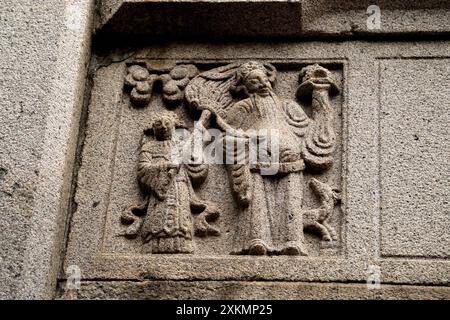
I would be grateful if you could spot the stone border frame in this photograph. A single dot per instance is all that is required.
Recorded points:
(358, 229)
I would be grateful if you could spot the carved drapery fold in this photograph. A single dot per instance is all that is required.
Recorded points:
(240, 100)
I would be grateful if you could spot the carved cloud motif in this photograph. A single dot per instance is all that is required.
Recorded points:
(141, 79)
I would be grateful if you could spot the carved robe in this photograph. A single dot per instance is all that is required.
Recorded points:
(273, 212)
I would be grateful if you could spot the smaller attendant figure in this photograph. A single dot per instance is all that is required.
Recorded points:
(164, 219)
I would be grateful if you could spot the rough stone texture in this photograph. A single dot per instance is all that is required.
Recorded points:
(44, 50)
(414, 175)
(235, 290)
(254, 18)
(349, 18)
(198, 18)
(390, 163)
(289, 174)
(107, 179)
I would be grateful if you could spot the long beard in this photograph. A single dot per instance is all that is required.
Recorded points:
(265, 104)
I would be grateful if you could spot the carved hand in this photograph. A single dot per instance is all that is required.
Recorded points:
(205, 104)
(173, 171)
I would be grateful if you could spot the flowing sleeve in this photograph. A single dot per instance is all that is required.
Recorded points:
(296, 118)
(316, 133)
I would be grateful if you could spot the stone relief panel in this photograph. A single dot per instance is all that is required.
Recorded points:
(142, 212)
(231, 158)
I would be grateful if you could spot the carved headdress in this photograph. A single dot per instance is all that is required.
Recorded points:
(246, 69)
(164, 116)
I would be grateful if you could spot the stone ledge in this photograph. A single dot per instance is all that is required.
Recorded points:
(250, 290)
(251, 18)
(200, 18)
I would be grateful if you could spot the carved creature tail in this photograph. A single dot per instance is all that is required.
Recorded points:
(320, 142)
(208, 213)
(133, 216)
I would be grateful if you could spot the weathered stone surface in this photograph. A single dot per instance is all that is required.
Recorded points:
(255, 18)
(197, 18)
(235, 290)
(267, 186)
(107, 179)
(414, 155)
(361, 195)
(350, 18)
(44, 50)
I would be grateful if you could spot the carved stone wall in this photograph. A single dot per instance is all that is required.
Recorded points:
(121, 148)
(96, 201)
(364, 218)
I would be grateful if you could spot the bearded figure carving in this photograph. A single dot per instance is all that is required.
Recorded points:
(241, 100)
